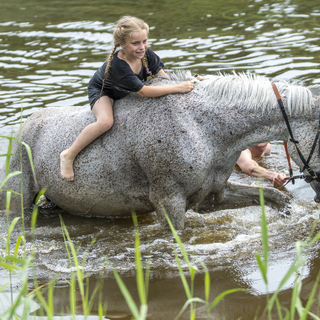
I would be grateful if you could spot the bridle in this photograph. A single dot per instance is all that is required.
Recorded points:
(313, 176)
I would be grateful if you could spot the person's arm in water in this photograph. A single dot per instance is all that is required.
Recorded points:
(252, 168)
(157, 91)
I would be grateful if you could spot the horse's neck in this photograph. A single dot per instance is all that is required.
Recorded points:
(244, 128)
(254, 128)
(251, 103)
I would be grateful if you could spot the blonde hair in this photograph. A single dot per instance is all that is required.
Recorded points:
(122, 34)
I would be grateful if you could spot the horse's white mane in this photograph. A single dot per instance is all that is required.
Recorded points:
(252, 92)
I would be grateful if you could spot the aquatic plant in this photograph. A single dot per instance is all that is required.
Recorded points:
(302, 248)
(10, 261)
(142, 281)
(192, 271)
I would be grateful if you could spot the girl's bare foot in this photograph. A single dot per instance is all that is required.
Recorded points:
(66, 166)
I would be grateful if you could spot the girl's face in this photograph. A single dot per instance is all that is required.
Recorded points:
(137, 45)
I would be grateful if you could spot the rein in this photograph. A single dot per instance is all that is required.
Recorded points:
(308, 178)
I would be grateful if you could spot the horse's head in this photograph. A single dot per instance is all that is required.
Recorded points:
(306, 151)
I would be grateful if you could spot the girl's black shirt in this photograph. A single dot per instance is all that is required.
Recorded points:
(121, 80)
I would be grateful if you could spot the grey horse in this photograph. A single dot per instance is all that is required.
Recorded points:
(163, 154)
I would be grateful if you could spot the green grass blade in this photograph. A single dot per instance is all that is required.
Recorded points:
(10, 138)
(262, 267)
(279, 309)
(139, 267)
(178, 240)
(101, 311)
(79, 270)
(147, 278)
(44, 304)
(130, 302)
(314, 239)
(17, 302)
(20, 261)
(72, 295)
(311, 298)
(186, 304)
(13, 223)
(293, 268)
(143, 311)
(91, 299)
(12, 174)
(8, 157)
(295, 300)
(40, 194)
(207, 285)
(30, 160)
(4, 286)
(313, 316)
(207, 282)
(223, 294)
(17, 246)
(264, 231)
(34, 217)
(6, 154)
(182, 276)
(10, 266)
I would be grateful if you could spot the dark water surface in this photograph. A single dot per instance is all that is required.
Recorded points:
(48, 52)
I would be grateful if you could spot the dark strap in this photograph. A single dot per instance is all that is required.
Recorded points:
(305, 163)
(313, 148)
(275, 89)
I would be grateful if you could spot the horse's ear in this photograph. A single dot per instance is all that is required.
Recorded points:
(315, 89)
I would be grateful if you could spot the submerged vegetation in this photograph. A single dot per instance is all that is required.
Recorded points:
(35, 303)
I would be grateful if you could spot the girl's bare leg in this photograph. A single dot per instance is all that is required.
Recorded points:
(102, 110)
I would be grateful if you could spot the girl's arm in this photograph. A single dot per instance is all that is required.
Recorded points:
(161, 73)
(156, 91)
(152, 92)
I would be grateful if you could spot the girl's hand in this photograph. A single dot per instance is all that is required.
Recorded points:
(186, 86)
(280, 179)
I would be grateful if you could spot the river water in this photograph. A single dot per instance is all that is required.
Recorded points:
(50, 49)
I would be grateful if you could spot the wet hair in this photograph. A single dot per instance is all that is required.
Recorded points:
(121, 35)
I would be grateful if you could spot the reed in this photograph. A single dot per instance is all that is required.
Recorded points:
(141, 279)
(302, 247)
(78, 275)
(191, 300)
(10, 261)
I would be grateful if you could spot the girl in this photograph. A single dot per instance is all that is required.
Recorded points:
(123, 72)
